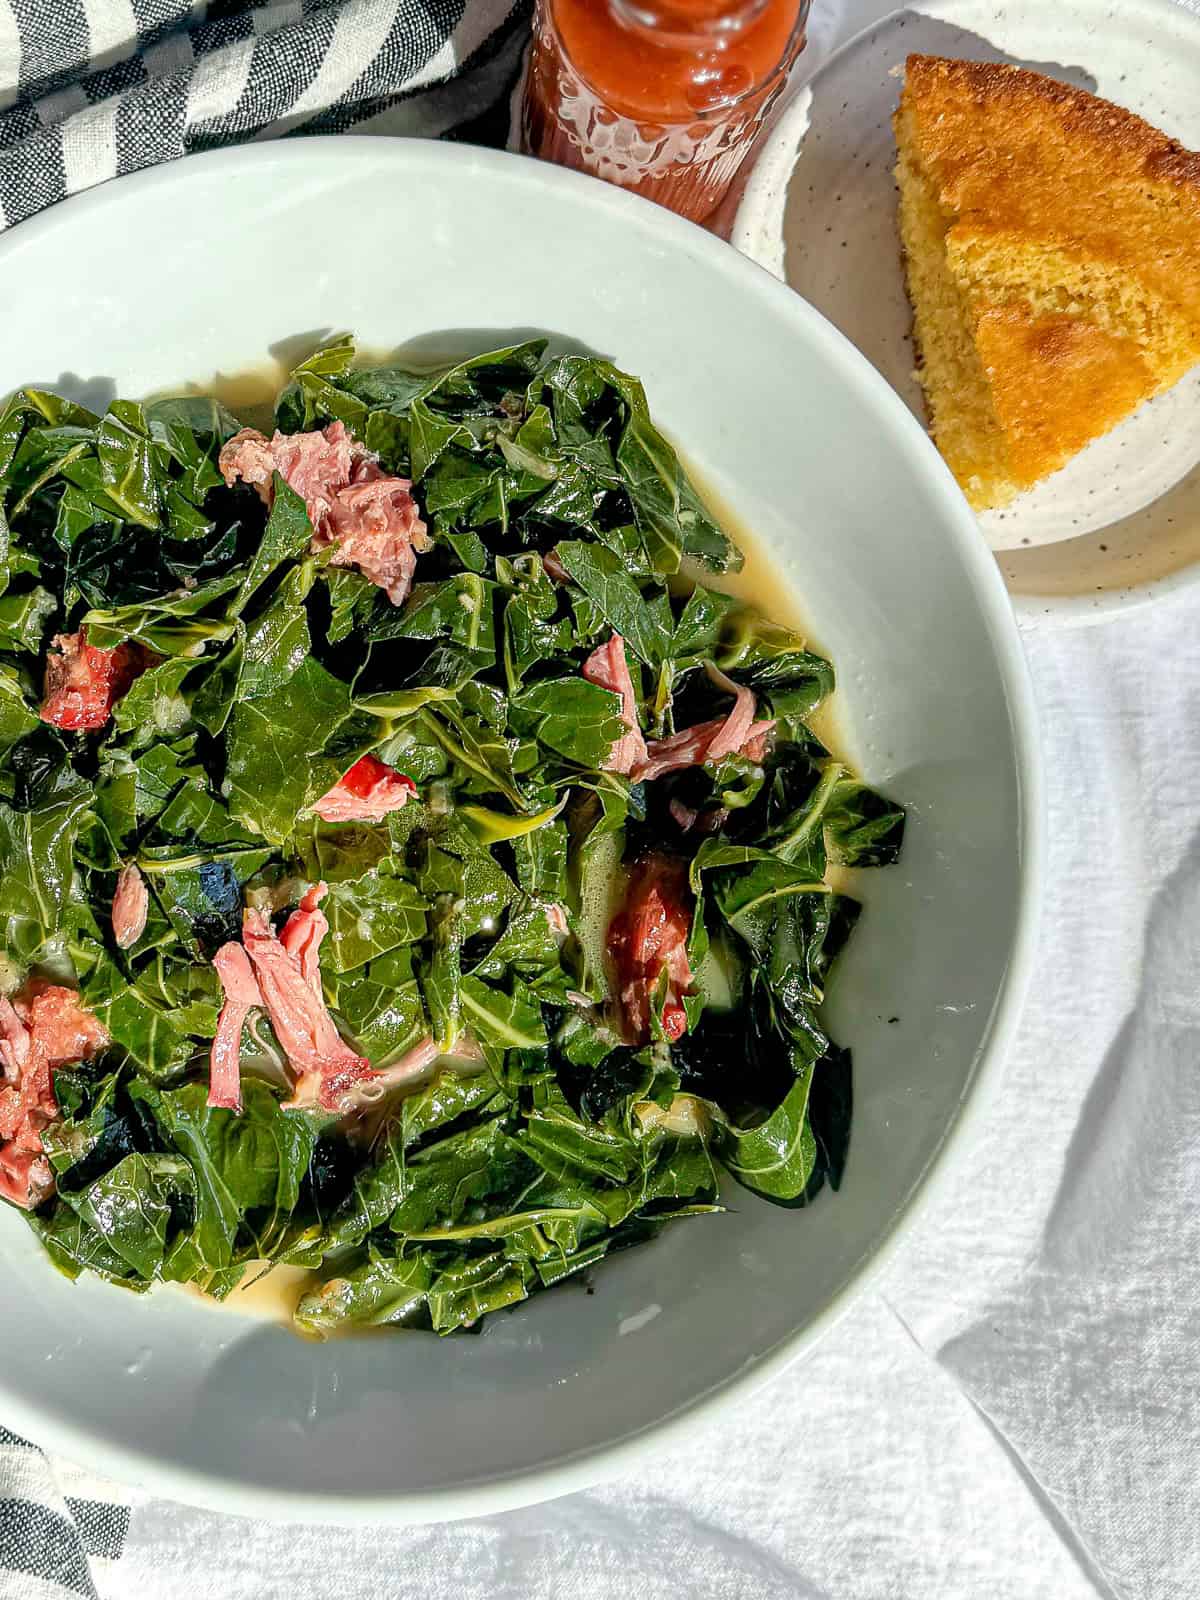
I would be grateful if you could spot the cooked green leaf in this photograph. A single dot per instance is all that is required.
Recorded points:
(380, 1290)
(603, 577)
(24, 618)
(37, 862)
(288, 534)
(571, 716)
(276, 764)
(134, 1207)
(777, 1156)
(371, 915)
(16, 716)
(489, 936)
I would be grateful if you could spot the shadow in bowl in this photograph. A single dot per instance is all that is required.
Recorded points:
(97, 393)
(436, 349)
(425, 1403)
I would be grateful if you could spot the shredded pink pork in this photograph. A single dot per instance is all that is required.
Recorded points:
(412, 1065)
(686, 816)
(693, 747)
(649, 936)
(554, 567)
(130, 907)
(84, 682)
(313, 464)
(377, 528)
(367, 793)
(302, 935)
(735, 734)
(241, 996)
(735, 730)
(607, 667)
(282, 975)
(367, 514)
(289, 981)
(41, 1029)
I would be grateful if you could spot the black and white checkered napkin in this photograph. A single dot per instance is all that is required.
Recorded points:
(61, 1532)
(91, 89)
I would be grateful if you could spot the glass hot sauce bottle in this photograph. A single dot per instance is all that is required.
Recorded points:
(665, 97)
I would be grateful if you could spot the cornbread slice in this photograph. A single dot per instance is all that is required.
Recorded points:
(1052, 252)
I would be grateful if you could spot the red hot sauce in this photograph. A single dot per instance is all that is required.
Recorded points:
(665, 97)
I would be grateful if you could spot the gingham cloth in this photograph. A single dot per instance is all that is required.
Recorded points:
(90, 89)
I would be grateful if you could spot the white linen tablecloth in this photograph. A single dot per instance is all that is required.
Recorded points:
(1013, 1413)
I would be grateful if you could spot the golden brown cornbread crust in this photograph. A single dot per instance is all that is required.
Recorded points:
(934, 78)
(1010, 149)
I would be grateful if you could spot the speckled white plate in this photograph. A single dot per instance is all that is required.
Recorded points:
(1119, 525)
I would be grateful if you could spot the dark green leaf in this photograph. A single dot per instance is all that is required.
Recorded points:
(604, 579)
(460, 609)
(576, 718)
(16, 716)
(508, 1021)
(155, 707)
(371, 915)
(135, 1206)
(24, 619)
(449, 1095)
(380, 1290)
(248, 1167)
(318, 390)
(277, 643)
(777, 1156)
(36, 863)
(351, 600)
(75, 1246)
(380, 1005)
(288, 534)
(276, 761)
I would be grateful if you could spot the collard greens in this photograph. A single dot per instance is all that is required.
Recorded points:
(560, 516)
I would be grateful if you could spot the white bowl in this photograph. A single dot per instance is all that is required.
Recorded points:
(205, 266)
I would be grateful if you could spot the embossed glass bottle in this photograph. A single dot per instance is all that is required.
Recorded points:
(665, 97)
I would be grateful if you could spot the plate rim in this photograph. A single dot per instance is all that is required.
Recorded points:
(589, 1467)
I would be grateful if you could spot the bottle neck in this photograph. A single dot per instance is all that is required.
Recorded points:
(670, 61)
